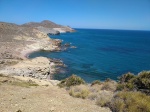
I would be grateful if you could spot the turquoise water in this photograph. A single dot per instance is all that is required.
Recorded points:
(102, 54)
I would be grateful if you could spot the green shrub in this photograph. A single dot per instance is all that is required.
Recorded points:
(130, 102)
(62, 83)
(108, 80)
(95, 82)
(143, 80)
(71, 81)
(126, 86)
(126, 77)
(120, 87)
(130, 86)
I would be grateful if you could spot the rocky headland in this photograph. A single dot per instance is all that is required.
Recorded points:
(18, 41)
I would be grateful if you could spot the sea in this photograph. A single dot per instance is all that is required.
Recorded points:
(102, 54)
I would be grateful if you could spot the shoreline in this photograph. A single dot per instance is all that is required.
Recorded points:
(40, 68)
(19, 41)
(26, 54)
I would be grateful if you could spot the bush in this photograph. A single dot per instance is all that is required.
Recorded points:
(126, 86)
(95, 82)
(62, 83)
(80, 91)
(93, 96)
(103, 98)
(120, 87)
(71, 81)
(116, 105)
(109, 86)
(143, 80)
(108, 80)
(130, 102)
(126, 77)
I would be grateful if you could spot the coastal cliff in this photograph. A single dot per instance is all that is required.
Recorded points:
(17, 41)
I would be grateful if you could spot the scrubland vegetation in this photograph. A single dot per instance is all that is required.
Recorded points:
(16, 82)
(131, 93)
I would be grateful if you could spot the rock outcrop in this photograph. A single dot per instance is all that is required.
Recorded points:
(49, 31)
(39, 68)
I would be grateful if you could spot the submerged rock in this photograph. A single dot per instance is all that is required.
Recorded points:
(67, 45)
(73, 47)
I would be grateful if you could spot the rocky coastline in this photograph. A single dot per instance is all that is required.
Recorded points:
(18, 41)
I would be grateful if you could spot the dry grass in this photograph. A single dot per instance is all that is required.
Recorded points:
(80, 91)
(104, 97)
(23, 84)
(109, 85)
(95, 88)
(93, 96)
(130, 102)
(94, 93)
(16, 82)
(96, 82)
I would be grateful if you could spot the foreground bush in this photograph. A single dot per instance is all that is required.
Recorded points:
(96, 82)
(103, 98)
(130, 102)
(71, 81)
(141, 82)
(80, 91)
(126, 77)
(109, 85)
(131, 96)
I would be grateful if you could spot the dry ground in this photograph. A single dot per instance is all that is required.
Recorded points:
(20, 96)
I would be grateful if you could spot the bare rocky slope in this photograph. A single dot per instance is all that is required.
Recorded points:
(17, 41)
(19, 96)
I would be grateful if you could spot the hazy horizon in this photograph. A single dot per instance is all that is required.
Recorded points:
(91, 14)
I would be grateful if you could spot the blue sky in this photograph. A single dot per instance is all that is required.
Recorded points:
(101, 14)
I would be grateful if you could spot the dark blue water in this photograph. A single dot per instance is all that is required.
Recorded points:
(102, 54)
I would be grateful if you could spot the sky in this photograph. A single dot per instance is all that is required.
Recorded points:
(98, 14)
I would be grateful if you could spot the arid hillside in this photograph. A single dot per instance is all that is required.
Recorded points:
(27, 96)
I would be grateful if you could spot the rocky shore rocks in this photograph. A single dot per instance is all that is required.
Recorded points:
(49, 31)
(39, 68)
